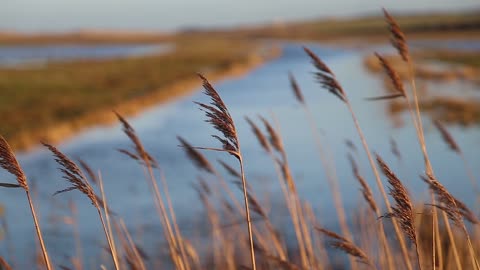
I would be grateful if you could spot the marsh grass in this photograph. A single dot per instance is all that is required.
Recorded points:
(265, 244)
(9, 162)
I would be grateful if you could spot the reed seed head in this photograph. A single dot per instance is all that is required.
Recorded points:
(219, 117)
(351, 145)
(88, 170)
(73, 174)
(394, 148)
(352, 250)
(345, 245)
(196, 157)
(403, 209)
(397, 37)
(232, 171)
(392, 74)
(141, 154)
(9, 162)
(325, 76)
(259, 135)
(331, 234)
(274, 137)
(447, 137)
(445, 198)
(296, 88)
(366, 191)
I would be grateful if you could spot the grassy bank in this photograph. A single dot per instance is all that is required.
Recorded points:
(53, 101)
(371, 28)
(465, 58)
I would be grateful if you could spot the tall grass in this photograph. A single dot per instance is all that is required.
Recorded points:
(416, 226)
(9, 162)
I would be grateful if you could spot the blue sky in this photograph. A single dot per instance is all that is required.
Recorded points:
(166, 15)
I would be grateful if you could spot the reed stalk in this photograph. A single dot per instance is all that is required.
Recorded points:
(148, 162)
(74, 175)
(218, 115)
(9, 162)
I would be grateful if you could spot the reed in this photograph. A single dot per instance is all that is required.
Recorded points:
(403, 209)
(171, 231)
(327, 79)
(341, 243)
(9, 162)
(219, 117)
(74, 175)
(452, 144)
(326, 159)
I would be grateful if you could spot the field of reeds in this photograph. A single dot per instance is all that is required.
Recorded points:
(390, 230)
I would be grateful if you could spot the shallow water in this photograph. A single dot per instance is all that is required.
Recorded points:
(38, 55)
(264, 91)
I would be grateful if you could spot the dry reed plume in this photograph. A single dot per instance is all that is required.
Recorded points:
(346, 246)
(447, 137)
(74, 175)
(167, 218)
(325, 76)
(403, 210)
(394, 77)
(366, 191)
(296, 88)
(9, 162)
(397, 36)
(218, 116)
(327, 79)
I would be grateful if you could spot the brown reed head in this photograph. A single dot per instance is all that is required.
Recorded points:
(366, 191)
(259, 135)
(141, 154)
(325, 76)
(296, 88)
(232, 171)
(88, 170)
(255, 206)
(394, 148)
(397, 37)
(204, 186)
(466, 212)
(445, 198)
(219, 117)
(9, 162)
(392, 74)
(73, 174)
(447, 137)
(196, 157)
(273, 135)
(403, 209)
(345, 245)
(331, 234)
(351, 249)
(351, 145)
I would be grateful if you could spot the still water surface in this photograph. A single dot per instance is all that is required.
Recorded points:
(264, 91)
(38, 55)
